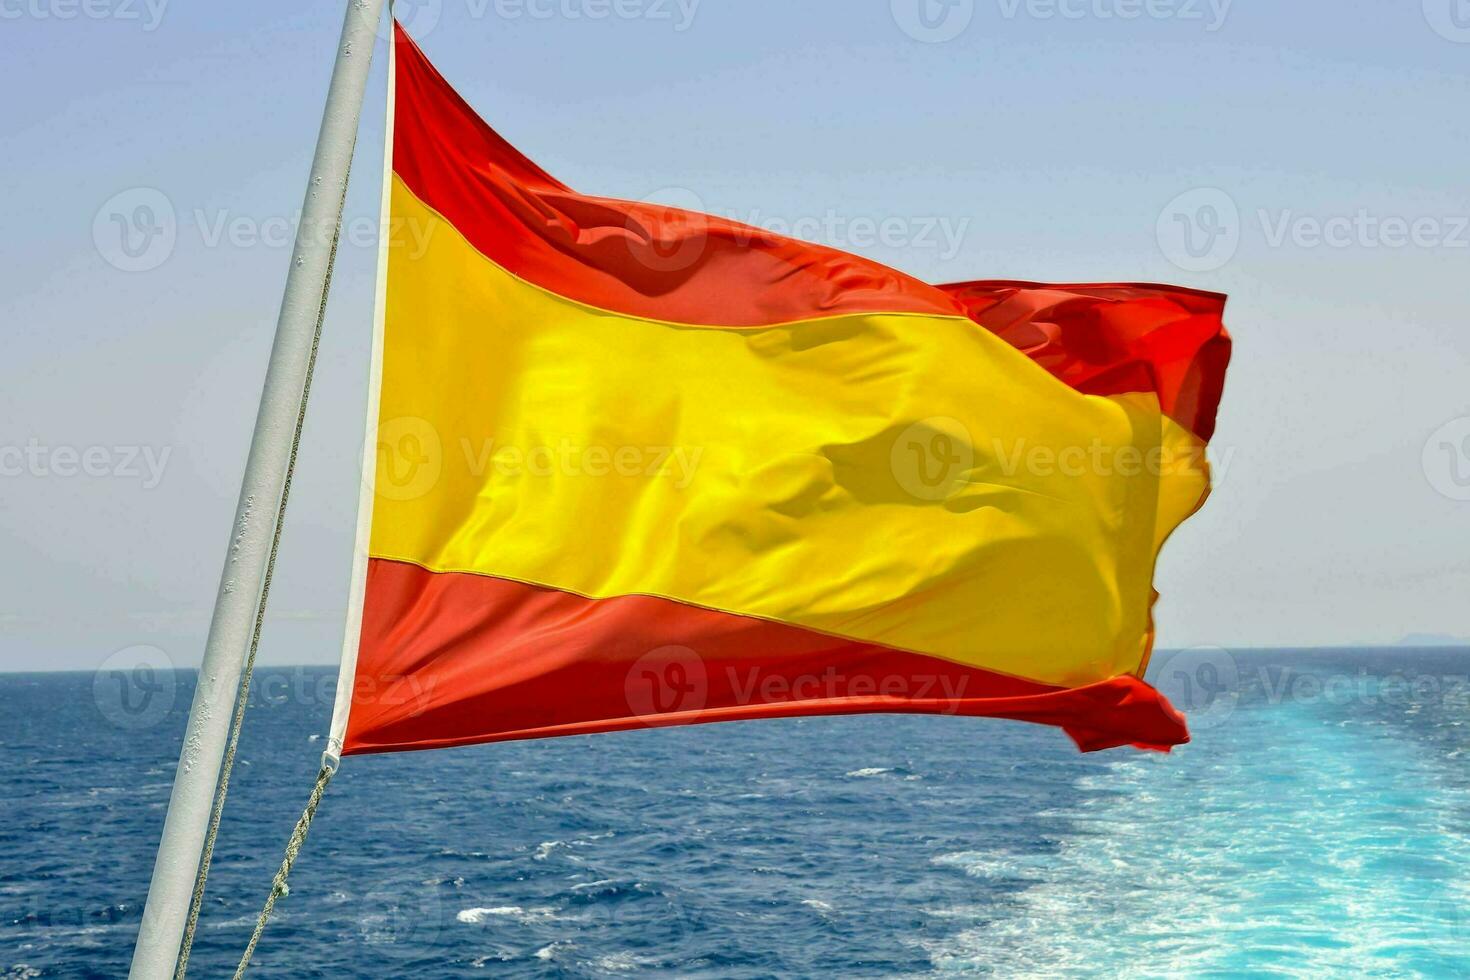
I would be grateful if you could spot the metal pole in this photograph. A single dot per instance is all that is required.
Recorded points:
(205, 738)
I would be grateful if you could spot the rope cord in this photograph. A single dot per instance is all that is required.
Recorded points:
(293, 847)
(243, 697)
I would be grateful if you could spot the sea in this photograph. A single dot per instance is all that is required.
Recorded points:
(1317, 825)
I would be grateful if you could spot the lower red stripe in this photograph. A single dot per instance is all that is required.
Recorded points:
(455, 659)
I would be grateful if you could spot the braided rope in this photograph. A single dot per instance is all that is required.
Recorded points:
(293, 847)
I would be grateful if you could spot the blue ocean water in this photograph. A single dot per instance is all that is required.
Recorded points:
(1319, 824)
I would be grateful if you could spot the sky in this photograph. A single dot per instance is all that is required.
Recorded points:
(1306, 158)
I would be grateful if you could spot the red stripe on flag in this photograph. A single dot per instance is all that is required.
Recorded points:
(457, 659)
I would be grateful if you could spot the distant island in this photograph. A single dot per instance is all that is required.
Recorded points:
(1434, 640)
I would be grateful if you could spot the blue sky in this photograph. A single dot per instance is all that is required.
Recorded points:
(1307, 158)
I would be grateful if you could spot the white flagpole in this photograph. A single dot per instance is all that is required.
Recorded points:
(230, 630)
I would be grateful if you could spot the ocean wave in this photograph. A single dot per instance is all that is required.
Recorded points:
(873, 772)
(513, 913)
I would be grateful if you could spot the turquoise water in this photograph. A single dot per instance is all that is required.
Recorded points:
(1318, 825)
(1294, 839)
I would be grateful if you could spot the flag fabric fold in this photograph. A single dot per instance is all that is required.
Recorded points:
(634, 466)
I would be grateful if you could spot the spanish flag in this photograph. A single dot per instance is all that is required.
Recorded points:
(633, 466)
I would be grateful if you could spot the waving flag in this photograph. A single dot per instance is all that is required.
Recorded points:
(634, 466)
